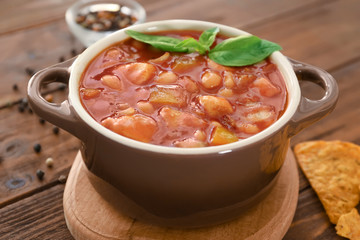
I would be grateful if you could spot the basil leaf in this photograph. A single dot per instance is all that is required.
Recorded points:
(207, 38)
(242, 51)
(164, 43)
(192, 45)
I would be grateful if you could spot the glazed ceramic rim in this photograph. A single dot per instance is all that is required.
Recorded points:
(82, 61)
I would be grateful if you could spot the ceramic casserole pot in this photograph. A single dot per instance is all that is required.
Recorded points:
(183, 186)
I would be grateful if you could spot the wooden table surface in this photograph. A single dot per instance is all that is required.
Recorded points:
(34, 35)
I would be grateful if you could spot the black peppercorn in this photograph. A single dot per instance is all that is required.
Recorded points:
(56, 130)
(29, 71)
(40, 174)
(73, 52)
(37, 148)
(15, 87)
(21, 108)
(42, 121)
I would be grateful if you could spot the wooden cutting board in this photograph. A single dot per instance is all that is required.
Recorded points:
(89, 217)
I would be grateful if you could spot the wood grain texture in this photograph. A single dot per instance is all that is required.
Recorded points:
(20, 162)
(33, 49)
(320, 32)
(342, 123)
(18, 14)
(89, 216)
(39, 216)
(326, 35)
(229, 12)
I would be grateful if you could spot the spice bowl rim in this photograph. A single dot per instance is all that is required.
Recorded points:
(88, 36)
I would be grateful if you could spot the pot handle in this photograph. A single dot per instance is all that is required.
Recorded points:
(310, 111)
(59, 114)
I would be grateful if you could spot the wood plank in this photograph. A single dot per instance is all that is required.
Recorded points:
(311, 35)
(42, 46)
(18, 14)
(48, 44)
(310, 221)
(229, 12)
(259, 222)
(327, 35)
(19, 162)
(37, 12)
(310, 214)
(37, 217)
(338, 126)
(32, 49)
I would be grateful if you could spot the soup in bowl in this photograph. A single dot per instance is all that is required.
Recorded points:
(180, 99)
(186, 141)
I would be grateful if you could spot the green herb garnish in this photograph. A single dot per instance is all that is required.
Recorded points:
(235, 52)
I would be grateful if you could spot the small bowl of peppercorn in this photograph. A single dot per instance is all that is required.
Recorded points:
(91, 20)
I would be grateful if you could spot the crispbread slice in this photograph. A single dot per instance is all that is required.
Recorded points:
(333, 170)
(349, 225)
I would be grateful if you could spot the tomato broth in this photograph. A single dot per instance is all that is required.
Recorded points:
(180, 99)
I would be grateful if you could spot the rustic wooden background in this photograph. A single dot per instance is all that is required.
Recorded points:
(34, 35)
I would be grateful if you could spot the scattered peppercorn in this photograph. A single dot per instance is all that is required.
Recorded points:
(21, 108)
(61, 59)
(37, 147)
(56, 130)
(24, 101)
(62, 179)
(49, 162)
(42, 121)
(73, 52)
(23, 104)
(15, 87)
(29, 71)
(40, 174)
(30, 110)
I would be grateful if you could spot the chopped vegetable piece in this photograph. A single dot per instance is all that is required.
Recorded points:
(249, 128)
(266, 88)
(138, 127)
(89, 93)
(137, 73)
(112, 82)
(245, 80)
(166, 78)
(146, 107)
(174, 118)
(264, 115)
(189, 143)
(189, 84)
(229, 79)
(172, 95)
(215, 106)
(221, 135)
